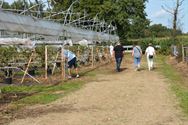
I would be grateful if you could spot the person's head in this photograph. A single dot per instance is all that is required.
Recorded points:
(150, 44)
(135, 43)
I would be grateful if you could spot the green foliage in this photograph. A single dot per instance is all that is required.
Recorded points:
(158, 30)
(145, 42)
(42, 94)
(39, 99)
(18, 4)
(40, 50)
(137, 29)
(6, 5)
(164, 46)
(7, 53)
(41, 88)
(125, 14)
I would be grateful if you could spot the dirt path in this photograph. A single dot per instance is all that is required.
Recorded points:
(125, 98)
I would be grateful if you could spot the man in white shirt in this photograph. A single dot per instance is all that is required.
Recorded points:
(150, 52)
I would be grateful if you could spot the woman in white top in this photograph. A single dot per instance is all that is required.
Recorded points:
(111, 50)
(150, 52)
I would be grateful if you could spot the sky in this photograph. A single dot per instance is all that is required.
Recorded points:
(158, 15)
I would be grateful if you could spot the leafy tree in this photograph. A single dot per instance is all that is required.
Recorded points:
(137, 29)
(128, 15)
(124, 14)
(6, 5)
(19, 4)
(158, 30)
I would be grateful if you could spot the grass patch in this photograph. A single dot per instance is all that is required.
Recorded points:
(43, 98)
(42, 94)
(42, 88)
(176, 81)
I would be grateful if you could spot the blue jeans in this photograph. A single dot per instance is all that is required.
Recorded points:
(118, 63)
(137, 62)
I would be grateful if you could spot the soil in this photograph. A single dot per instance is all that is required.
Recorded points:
(115, 98)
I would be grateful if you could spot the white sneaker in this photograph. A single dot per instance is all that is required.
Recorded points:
(77, 76)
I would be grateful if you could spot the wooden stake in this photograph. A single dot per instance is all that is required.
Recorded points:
(78, 52)
(92, 57)
(62, 64)
(55, 63)
(46, 62)
(25, 72)
(183, 54)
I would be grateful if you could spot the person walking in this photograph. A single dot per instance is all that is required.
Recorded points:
(150, 53)
(118, 53)
(72, 62)
(137, 54)
(111, 50)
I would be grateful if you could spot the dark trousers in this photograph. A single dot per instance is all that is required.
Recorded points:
(118, 63)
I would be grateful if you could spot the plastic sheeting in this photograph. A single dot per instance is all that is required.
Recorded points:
(17, 41)
(27, 24)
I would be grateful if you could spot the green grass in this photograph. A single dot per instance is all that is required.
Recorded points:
(42, 98)
(42, 94)
(41, 88)
(177, 83)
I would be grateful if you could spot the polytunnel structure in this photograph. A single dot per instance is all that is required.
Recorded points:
(21, 26)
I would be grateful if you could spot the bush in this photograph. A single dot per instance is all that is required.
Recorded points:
(165, 46)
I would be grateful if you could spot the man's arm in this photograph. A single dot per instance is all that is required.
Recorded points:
(133, 52)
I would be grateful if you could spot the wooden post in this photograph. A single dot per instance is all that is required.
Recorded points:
(92, 57)
(55, 62)
(46, 62)
(25, 72)
(98, 52)
(62, 64)
(183, 54)
(28, 75)
(78, 52)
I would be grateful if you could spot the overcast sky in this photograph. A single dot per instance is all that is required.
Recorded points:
(159, 16)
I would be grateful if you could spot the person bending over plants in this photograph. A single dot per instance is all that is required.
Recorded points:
(72, 62)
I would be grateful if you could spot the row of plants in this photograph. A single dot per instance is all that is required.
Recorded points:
(18, 57)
